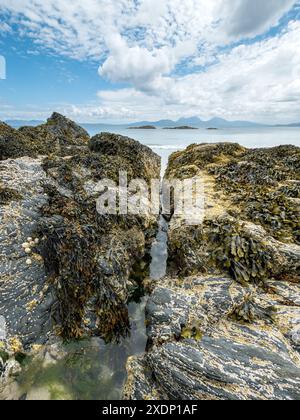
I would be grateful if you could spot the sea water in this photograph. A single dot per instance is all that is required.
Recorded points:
(165, 142)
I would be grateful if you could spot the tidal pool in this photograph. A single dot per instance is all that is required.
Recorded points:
(88, 370)
(91, 369)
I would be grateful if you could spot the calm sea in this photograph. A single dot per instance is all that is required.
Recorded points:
(164, 142)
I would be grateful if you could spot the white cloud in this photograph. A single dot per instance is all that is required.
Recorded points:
(251, 17)
(157, 46)
(138, 65)
(260, 81)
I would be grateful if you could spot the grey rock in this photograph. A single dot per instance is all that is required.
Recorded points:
(25, 295)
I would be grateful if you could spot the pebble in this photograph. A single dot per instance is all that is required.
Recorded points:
(28, 250)
(28, 262)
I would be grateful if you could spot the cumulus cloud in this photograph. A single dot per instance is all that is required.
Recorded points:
(4, 28)
(251, 17)
(186, 57)
(137, 64)
(257, 81)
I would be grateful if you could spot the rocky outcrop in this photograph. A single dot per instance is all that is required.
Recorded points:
(58, 136)
(133, 153)
(12, 142)
(201, 347)
(65, 268)
(225, 324)
(251, 213)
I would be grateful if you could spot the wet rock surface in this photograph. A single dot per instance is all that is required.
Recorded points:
(224, 323)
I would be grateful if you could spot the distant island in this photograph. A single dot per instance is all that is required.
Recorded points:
(143, 127)
(183, 127)
(212, 128)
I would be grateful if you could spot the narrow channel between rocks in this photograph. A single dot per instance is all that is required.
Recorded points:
(92, 369)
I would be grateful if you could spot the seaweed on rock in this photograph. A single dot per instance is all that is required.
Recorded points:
(243, 257)
(250, 311)
(8, 194)
(72, 249)
(92, 260)
(58, 135)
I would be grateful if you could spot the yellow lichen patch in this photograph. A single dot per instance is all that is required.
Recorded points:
(32, 305)
(216, 204)
(15, 345)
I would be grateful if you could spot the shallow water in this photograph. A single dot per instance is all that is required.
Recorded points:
(90, 370)
(159, 252)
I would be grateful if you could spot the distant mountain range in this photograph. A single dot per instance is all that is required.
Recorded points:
(212, 123)
(288, 125)
(191, 122)
(198, 123)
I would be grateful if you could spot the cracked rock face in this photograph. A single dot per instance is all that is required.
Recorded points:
(225, 322)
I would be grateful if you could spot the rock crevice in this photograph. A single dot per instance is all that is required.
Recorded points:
(225, 323)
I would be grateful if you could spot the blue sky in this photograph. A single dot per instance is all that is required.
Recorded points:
(126, 60)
